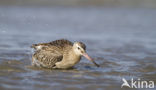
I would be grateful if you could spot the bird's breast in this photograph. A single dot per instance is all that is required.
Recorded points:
(74, 60)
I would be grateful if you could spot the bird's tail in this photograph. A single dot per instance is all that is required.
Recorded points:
(34, 46)
(37, 46)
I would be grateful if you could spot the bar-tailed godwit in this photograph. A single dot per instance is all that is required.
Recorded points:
(61, 54)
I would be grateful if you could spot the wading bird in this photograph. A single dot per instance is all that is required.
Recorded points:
(61, 54)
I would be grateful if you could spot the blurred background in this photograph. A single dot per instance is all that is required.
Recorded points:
(106, 3)
(119, 34)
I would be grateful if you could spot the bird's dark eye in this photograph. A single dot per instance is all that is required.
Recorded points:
(78, 48)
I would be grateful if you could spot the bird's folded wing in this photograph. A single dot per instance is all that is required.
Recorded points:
(48, 58)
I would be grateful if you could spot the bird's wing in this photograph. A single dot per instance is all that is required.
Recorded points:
(48, 58)
(57, 43)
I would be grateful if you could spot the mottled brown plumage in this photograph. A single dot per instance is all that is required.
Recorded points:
(58, 43)
(58, 54)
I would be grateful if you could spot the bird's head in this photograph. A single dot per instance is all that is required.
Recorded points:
(80, 49)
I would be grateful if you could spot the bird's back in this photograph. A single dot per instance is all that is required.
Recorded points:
(62, 43)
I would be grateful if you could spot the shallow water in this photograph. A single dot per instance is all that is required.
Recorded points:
(121, 40)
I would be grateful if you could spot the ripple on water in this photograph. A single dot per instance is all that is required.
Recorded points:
(122, 49)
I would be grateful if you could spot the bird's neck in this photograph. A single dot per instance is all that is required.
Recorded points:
(74, 56)
(70, 58)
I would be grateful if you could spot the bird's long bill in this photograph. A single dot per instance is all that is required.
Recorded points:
(89, 58)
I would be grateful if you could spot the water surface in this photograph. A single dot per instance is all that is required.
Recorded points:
(121, 40)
